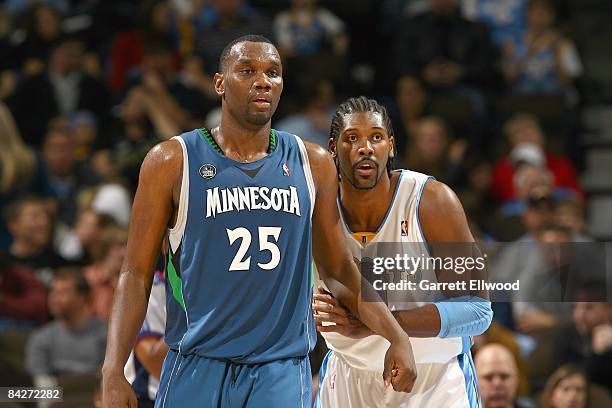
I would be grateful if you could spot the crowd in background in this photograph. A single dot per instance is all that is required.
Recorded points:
(485, 95)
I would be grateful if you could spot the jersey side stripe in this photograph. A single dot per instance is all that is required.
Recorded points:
(176, 233)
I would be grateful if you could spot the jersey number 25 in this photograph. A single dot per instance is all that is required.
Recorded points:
(240, 263)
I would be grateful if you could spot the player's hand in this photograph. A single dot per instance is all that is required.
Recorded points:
(327, 309)
(400, 368)
(117, 392)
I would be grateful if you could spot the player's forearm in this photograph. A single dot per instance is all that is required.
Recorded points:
(128, 312)
(358, 295)
(420, 322)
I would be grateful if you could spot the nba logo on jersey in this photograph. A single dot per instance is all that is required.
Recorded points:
(286, 171)
(404, 228)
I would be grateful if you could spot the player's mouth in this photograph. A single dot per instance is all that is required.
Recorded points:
(366, 168)
(262, 102)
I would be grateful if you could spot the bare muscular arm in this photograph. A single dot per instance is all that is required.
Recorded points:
(452, 227)
(154, 203)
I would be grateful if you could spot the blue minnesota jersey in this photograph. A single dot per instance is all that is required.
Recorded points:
(239, 264)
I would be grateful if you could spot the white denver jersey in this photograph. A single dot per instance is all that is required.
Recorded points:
(401, 226)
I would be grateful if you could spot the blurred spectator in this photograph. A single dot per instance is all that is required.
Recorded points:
(523, 259)
(143, 123)
(307, 29)
(449, 53)
(194, 76)
(171, 91)
(498, 378)
(314, 118)
(588, 343)
(21, 172)
(143, 368)
(31, 227)
(570, 213)
(498, 334)
(527, 179)
(10, 64)
(524, 128)
(67, 89)
(221, 21)
(156, 24)
(431, 152)
(505, 18)
(84, 128)
(541, 61)
(103, 273)
(544, 285)
(475, 195)
(23, 299)
(84, 243)
(18, 7)
(74, 342)
(567, 387)
(111, 198)
(67, 176)
(412, 101)
(43, 31)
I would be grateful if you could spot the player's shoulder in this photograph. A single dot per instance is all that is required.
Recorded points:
(438, 196)
(163, 163)
(166, 155)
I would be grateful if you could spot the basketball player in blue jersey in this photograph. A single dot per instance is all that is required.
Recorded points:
(245, 208)
(409, 208)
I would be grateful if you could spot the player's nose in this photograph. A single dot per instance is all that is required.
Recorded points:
(262, 81)
(366, 148)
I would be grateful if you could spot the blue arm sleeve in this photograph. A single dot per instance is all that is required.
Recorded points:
(464, 316)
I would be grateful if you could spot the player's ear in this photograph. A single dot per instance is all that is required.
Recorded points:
(331, 146)
(392, 145)
(219, 83)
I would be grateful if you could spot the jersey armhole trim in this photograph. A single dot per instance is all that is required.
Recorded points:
(308, 173)
(175, 234)
(416, 212)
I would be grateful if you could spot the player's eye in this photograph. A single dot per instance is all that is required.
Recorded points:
(273, 73)
(246, 71)
(352, 138)
(377, 137)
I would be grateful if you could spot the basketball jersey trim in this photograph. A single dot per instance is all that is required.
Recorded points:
(308, 173)
(418, 203)
(175, 234)
(384, 220)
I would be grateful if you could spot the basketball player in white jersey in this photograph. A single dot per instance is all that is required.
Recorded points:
(409, 208)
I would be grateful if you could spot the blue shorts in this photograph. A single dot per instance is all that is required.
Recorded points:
(196, 381)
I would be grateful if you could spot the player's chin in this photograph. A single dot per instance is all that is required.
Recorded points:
(259, 118)
(364, 183)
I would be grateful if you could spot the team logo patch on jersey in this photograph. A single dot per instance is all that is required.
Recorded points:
(208, 171)
(404, 228)
(286, 170)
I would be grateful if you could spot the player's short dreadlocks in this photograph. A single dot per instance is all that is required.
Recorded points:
(360, 104)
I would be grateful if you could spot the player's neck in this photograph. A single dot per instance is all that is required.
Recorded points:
(364, 210)
(242, 144)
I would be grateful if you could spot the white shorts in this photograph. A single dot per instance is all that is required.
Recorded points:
(450, 385)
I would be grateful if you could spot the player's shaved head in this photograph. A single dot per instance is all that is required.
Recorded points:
(227, 51)
(497, 376)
